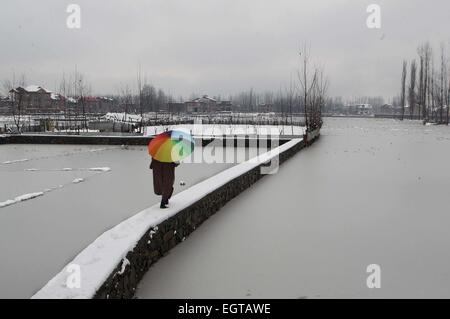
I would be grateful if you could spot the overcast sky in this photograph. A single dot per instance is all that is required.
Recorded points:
(217, 46)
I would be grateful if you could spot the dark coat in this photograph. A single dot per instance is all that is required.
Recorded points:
(163, 178)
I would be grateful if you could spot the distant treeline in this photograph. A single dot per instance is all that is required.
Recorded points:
(425, 91)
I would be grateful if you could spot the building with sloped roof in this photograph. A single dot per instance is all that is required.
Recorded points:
(34, 99)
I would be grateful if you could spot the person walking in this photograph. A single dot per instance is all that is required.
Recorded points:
(167, 150)
(163, 180)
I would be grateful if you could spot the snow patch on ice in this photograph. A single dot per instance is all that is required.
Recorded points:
(98, 150)
(20, 198)
(16, 161)
(100, 169)
(78, 180)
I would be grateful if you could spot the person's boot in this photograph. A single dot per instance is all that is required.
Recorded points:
(163, 205)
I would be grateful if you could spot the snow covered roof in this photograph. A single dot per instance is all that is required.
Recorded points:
(105, 98)
(31, 89)
(36, 88)
(204, 98)
(56, 96)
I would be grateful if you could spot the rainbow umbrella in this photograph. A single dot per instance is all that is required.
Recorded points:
(171, 146)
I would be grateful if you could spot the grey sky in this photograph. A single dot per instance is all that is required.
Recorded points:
(217, 46)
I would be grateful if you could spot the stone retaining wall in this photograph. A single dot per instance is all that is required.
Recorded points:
(160, 239)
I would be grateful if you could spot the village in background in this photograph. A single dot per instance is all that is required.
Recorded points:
(43, 110)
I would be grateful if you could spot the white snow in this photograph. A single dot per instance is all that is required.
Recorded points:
(78, 180)
(99, 259)
(35, 88)
(98, 149)
(20, 198)
(16, 161)
(100, 169)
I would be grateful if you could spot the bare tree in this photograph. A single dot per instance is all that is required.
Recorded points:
(425, 53)
(421, 85)
(290, 92)
(16, 94)
(140, 97)
(448, 95)
(82, 90)
(428, 54)
(403, 93)
(63, 92)
(442, 85)
(306, 81)
(126, 100)
(412, 89)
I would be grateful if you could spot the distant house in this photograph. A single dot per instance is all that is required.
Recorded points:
(206, 104)
(202, 104)
(364, 109)
(34, 99)
(360, 109)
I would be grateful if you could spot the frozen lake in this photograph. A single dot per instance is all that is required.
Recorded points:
(81, 192)
(368, 192)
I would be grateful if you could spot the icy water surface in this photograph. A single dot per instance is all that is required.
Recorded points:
(368, 192)
(81, 191)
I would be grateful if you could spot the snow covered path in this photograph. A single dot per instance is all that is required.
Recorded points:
(362, 195)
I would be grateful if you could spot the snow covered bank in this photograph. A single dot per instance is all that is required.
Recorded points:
(114, 263)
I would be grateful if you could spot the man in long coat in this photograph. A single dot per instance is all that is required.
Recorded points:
(163, 180)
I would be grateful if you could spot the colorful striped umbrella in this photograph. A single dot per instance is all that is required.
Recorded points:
(171, 146)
